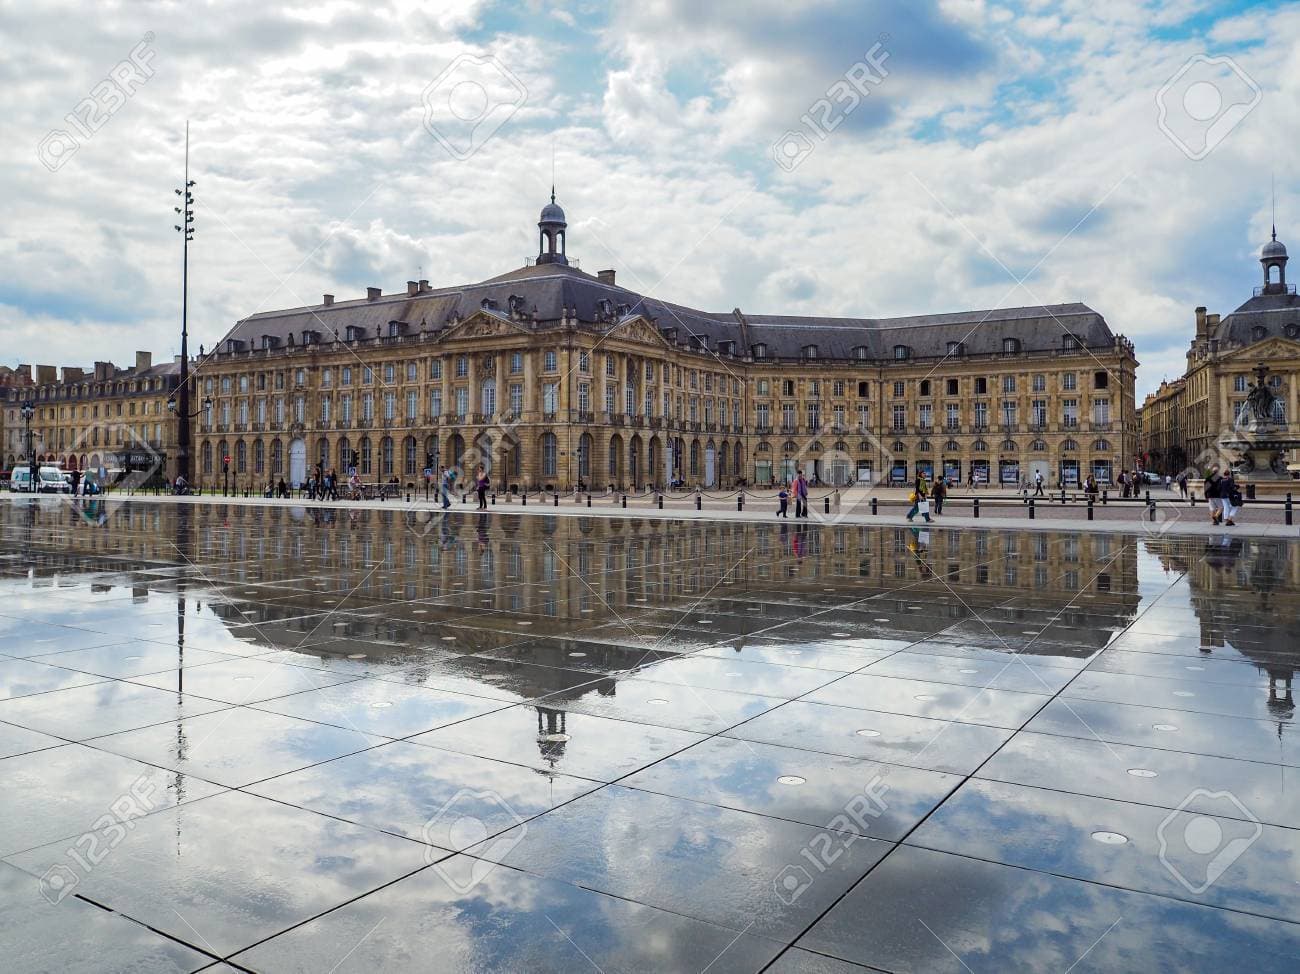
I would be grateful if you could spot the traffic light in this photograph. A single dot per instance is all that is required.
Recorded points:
(428, 460)
(356, 459)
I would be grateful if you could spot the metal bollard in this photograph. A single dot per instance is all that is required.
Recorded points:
(1031, 509)
(1089, 508)
(1148, 498)
(1288, 508)
(828, 503)
(1250, 492)
(589, 500)
(699, 502)
(873, 506)
(661, 502)
(1103, 496)
(740, 502)
(494, 498)
(523, 499)
(977, 507)
(557, 499)
(408, 497)
(625, 501)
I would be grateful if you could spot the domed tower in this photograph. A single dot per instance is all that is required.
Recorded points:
(550, 238)
(1273, 257)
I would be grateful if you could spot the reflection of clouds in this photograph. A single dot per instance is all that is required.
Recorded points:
(598, 747)
(509, 921)
(1002, 919)
(239, 867)
(1050, 831)
(1231, 737)
(398, 787)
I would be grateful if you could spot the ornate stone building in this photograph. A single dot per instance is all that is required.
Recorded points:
(108, 416)
(1183, 421)
(550, 376)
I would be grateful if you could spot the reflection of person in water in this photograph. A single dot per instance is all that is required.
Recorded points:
(919, 546)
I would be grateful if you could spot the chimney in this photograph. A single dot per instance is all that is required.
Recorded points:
(327, 299)
(605, 277)
(1211, 323)
(412, 288)
(1200, 323)
(46, 374)
(373, 293)
(143, 360)
(424, 285)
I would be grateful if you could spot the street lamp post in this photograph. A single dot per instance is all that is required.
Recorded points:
(186, 230)
(185, 418)
(28, 411)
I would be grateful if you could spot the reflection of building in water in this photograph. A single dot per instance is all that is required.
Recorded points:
(566, 572)
(551, 734)
(1246, 595)
(532, 563)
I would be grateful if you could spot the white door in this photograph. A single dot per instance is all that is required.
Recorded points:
(297, 463)
(710, 458)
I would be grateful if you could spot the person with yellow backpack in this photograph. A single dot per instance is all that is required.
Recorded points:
(920, 499)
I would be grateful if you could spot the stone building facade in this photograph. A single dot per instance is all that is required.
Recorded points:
(550, 376)
(107, 416)
(1183, 421)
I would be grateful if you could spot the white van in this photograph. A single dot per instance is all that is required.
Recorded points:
(49, 480)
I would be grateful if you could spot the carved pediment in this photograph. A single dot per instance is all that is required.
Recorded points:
(483, 325)
(1270, 349)
(639, 329)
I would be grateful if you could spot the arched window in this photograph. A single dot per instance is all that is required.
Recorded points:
(1069, 445)
(386, 456)
(979, 446)
(760, 351)
(1038, 446)
(923, 446)
(323, 453)
(241, 457)
(1010, 346)
(408, 456)
(277, 457)
(259, 457)
(1009, 446)
(899, 447)
(1101, 446)
(206, 454)
(695, 457)
(366, 458)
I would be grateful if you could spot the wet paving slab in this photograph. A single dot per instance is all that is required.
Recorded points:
(282, 739)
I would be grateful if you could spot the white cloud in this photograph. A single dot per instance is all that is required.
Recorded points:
(307, 127)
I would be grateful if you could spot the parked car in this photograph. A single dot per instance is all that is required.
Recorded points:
(49, 480)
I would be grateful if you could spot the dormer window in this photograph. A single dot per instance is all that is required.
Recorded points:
(1010, 346)
(1071, 343)
(902, 353)
(810, 351)
(269, 342)
(1258, 333)
(956, 349)
(760, 351)
(860, 353)
(355, 333)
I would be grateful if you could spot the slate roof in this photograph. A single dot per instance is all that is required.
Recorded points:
(547, 290)
(1272, 312)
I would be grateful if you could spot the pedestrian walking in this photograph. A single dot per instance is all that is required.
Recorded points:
(800, 494)
(1038, 483)
(448, 482)
(1230, 496)
(1182, 484)
(783, 503)
(938, 494)
(1213, 497)
(481, 485)
(920, 499)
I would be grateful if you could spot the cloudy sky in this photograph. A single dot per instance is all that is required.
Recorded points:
(855, 157)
